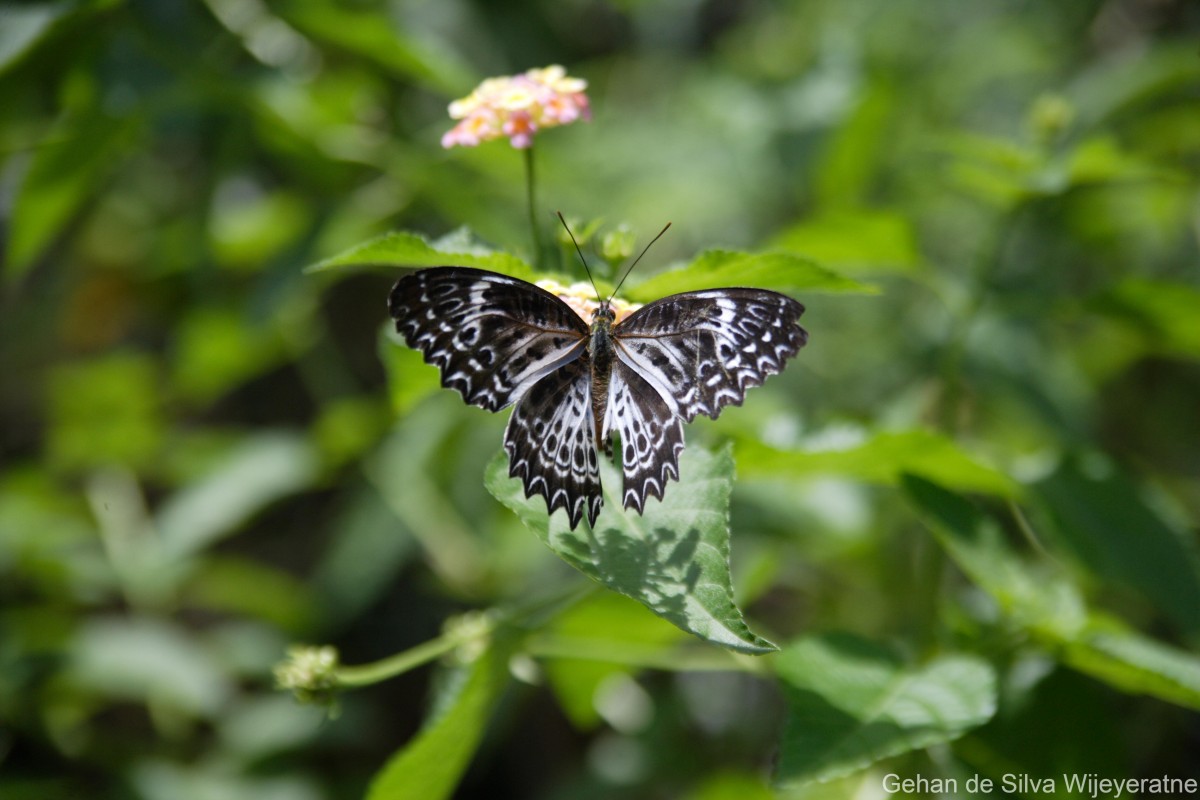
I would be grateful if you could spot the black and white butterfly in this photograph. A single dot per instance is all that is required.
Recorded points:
(500, 341)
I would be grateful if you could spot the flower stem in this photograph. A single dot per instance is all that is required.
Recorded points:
(531, 198)
(376, 671)
(470, 629)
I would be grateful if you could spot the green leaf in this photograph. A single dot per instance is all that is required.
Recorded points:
(406, 249)
(21, 26)
(732, 786)
(1031, 598)
(881, 459)
(674, 558)
(1125, 659)
(235, 585)
(1105, 523)
(373, 36)
(1050, 608)
(852, 702)
(848, 171)
(25, 27)
(856, 240)
(1162, 312)
(349, 427)
(404, 470)
(215, 349)
(259, 471)
(1100, 159)
(605, 621)
(107, 410)
(363, 557)
(148, 660)
(714, 269)
(247, 229)
(1052, 720)
(78, 156)
(990, 168)
(259, 726)
(1133, 80)
(430, 766)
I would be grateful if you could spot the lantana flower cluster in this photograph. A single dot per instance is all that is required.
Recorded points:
(518, 106)
(581, 297)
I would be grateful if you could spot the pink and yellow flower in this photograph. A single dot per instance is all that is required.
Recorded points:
(581, 297)
(518, 107)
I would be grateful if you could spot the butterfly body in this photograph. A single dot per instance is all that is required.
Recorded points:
(600, 355)
(500, 341)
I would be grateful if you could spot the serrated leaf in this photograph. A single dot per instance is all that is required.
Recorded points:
(1050, 608)
(715, 269)
(852, 702)
(882, 459)
(430, 766)
(407, 249)
(674, 558)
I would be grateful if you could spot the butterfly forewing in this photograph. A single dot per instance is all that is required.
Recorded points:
(550, 443)
(703, 350)
(491, 336)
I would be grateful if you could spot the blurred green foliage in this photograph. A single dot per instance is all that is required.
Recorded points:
(968, 511)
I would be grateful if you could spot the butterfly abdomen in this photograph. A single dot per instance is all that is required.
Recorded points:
(600, 350)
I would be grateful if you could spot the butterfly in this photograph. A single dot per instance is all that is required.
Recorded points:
(500, 341)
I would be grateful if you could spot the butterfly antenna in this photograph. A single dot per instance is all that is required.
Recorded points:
(577, 250)
(636, 260)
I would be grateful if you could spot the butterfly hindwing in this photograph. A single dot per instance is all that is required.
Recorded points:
(491, 336)
(651, 435)
(703, 350)
(551, 446)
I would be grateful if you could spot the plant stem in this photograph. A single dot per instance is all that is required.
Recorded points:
(648, 656)
(470, 628)
(1026, 529)
(531, 198)
(390, 667)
